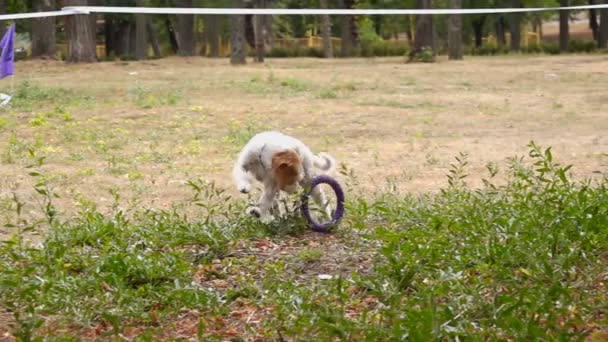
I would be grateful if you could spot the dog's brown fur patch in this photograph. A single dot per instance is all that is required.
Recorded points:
(286, 166)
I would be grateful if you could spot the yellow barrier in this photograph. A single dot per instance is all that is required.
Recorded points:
(62, 50)
(527, 39)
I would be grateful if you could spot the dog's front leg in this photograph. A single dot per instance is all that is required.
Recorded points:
(266, 202)
(319, 196)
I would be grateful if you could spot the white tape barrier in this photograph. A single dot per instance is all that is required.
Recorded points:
(283, 11)
(304, 11)
(38, 14)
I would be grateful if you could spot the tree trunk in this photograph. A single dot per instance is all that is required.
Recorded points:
(93, 23)
(212, 34)
(425, 32)
(268, 33)
(132, 40)
(603, 29)
(122, 39)
(237, 36)
(141, 39)
(43, 31)
(593, 25)
(501, 38)
(172, 36)
(478, 24)
(2, 11)
(249, 31)
(349, 30)
(564, 30)
(110, 36)
(515, 26)
(537, 26)
(409, 34)
(81, 47)
(186, 41)
(328, 50)
(153, 38)
(455, 32)
(259, 33)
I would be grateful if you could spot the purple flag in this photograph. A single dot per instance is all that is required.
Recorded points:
(7, 66)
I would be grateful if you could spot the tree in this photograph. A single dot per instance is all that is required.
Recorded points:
(81, 46)
(249, 31)
(425, 32)
(172, 35)
(259, 32)
(328, 50)
(2, 11)
(268, 33)
(93, 21)
(455, 32)
(185, 31)
(212, 34)
(515, 26)
(603, 31)
(350, 32)
(151, 31)
(478, 23)
(120, 30)
(593, 25)
(141, 40)
(43, 31)
(500, 27)
(564, 30)
(237, 36)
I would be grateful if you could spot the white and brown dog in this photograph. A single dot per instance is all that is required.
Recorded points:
(280, 163)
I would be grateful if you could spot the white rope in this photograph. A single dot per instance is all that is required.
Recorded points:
(71, 10)
(37, 14)
(308, 11)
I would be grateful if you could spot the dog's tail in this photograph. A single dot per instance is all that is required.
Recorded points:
(324, 161)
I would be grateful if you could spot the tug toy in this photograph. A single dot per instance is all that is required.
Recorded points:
(323, 227)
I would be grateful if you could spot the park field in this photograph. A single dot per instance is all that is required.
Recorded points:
(143, 130)
(463, 219)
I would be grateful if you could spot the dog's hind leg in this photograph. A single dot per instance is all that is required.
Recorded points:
(240, 174)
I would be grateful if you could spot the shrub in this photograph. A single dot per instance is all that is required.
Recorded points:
(585, 46)
(551, 48)
(279, 52)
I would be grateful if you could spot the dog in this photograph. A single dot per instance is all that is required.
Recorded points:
(281, 163)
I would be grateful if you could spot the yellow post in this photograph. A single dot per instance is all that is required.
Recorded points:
(310, 42)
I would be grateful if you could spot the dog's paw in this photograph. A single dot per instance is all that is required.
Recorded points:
(254, 211)
(266, 219)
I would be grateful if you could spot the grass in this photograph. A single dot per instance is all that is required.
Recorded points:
(120, 220)
(157, 125)
(524, 260)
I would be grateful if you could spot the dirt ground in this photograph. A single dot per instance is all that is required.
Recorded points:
(135, 133)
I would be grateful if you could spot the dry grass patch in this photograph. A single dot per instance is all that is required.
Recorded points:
(142, 130)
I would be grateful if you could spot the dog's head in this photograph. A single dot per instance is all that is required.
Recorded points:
(287, 169)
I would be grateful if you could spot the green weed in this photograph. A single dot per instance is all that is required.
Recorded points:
(146, 98)
(240, 133)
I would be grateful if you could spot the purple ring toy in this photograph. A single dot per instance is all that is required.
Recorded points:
(324, 227)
